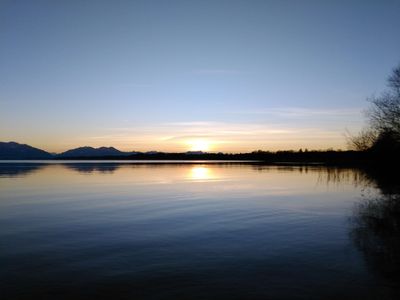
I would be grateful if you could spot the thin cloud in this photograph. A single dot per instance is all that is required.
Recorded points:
(300, 112)
(189, 137)
(188, 124)
(224, 136)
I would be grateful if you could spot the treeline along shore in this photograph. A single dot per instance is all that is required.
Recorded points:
(371, 156)
(15, 151)
(279, 157)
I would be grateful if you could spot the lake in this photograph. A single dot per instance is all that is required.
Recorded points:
(131, 230)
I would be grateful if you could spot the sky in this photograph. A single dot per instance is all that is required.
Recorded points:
(231, 76)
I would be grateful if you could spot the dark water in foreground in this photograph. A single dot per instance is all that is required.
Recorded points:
(219, 231)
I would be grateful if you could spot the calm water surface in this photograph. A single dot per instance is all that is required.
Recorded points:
(194, 231)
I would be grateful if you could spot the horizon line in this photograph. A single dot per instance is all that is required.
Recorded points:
(304, 149)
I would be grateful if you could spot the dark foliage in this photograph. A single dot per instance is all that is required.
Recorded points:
(382, 137)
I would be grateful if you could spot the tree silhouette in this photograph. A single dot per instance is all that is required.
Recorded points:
(383, 131)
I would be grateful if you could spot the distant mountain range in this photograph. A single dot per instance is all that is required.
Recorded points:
(14, 150)
(92, 152)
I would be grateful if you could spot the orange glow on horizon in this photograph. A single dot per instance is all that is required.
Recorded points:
(199, 145)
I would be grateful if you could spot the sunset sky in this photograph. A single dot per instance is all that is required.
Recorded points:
(215, 75)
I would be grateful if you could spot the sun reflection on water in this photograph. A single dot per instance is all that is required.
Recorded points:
(200, 173)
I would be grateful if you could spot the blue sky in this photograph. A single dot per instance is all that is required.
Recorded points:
(176, 75)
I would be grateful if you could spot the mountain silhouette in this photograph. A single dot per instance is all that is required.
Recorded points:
(13, 150)
(91, 152)
(16, 151)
